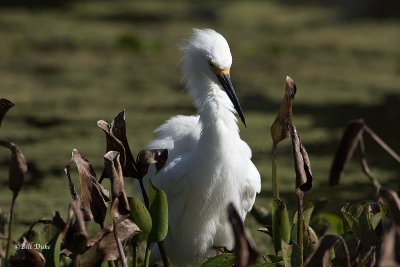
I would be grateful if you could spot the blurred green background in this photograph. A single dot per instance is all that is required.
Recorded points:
(67, 64)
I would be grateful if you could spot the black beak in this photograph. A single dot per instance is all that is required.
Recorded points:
(225, 80)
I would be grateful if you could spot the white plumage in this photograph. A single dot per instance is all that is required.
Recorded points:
(209, 166)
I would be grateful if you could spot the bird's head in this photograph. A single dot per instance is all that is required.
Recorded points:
(207, 55)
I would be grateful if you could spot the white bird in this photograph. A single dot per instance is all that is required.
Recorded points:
(208, 165)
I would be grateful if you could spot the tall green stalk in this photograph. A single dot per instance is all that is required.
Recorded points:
(300, 227)
(134, 255)
(275, 182)
(147, 255)
(163, 254)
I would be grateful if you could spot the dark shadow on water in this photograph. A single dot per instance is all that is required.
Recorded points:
(34, 176)
(133, 16)
(39, 122)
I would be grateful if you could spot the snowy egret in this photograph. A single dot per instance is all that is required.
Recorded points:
(209, 166)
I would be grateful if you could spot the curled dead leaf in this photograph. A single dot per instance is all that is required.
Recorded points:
(266, 229)
(301, 162)
(18, 166)
(390, 250)
(118, 129)
(74, 236)
(392, 202)
(245, 251)
(279, 130)
(103, 246)
(320, 256)
(117, 141)
(56, 221)
(93, 195)
(153, 156)
(5, 105)
(27, 256)
(344, 153)
(112, 166)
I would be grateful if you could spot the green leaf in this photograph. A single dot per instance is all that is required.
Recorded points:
(280, 224)
(159, 214)
(349, 218)
(272, 261)
(48, 241)
(291, 255)
(365, 231)
(359, 220)
(262, 216)
(327, 223)
(52, 255)
(223, 260)
(307, 212)
(378, 217)
(310, 241)
(141, 216)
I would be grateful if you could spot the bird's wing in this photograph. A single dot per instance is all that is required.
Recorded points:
(252, 182)
(179, 135)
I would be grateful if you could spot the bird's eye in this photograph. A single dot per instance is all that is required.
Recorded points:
(213, 67)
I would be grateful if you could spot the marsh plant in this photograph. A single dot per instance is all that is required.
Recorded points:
(366, 233)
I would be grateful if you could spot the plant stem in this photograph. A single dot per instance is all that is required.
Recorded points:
(382, 144)
(10, 224)
(163, 254)
(119, 246)
(275, 184)
(147, 255)
(134, 255)
(76, 261)
(144, 194)
(300, 226)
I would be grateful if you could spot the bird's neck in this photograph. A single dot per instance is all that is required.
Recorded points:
(216, 111)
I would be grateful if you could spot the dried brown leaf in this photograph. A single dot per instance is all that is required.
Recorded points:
(245, 251)
(320, 257)
(103, 246)
(390, 251)
(118, 129)
(112, 144)
(266, 229)
(392, 202)
(117, 141)
(301, 162)
(93, 195)
(71, 185)
(5, 105)
(112, 166)
(27, 256)
(17, 168)
(153, 156)
(279, 130)
(74, 236)
(56, 221)
(345, 150)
